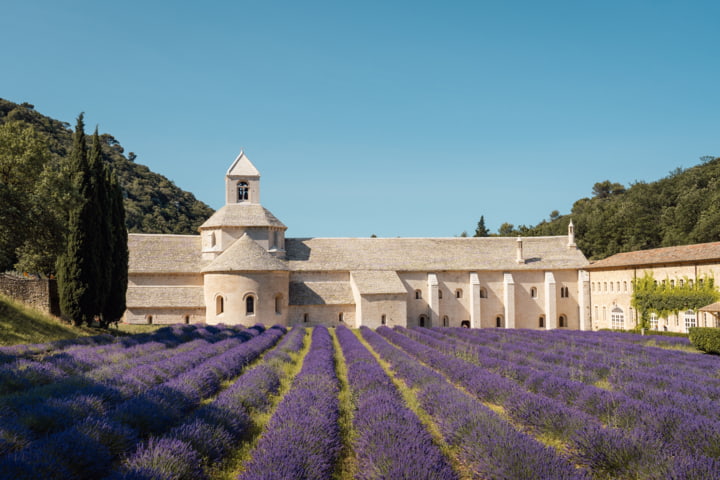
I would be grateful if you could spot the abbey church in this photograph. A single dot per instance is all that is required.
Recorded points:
(242, 269)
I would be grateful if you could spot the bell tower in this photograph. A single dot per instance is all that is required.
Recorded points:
(242, 182)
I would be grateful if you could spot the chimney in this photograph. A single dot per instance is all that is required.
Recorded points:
(519, 250)
(571, 236)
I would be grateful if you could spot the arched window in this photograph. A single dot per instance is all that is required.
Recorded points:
(564, 292)
(243, 191)
(498, 321)
(446, 321)
(617, 319)
(439, 294)
(186, 319)
(690, 320)
(458, 293)
(483, 293)
(465, 324)
(149, 319)
(422, 320)
(541, 322)
(672, 283)
(592, 286)
(653, 321)
(533, 292)
(611, 286)
(278, 304)
(249, 305)
(383, 320)
(418, 294)
(562, 321)
(604, 286)
(624, 286)
(219, 305)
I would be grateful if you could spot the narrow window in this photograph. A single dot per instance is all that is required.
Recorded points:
(611, 286)
(690, 320)
(653, 321)
(446, 321)
(306, 317)
(439, 294)
(624, 286)
(567, 292)
(219, 305)
(541, 322)
(498, 322)
(458, 293)
(340, 317)
(149, 319)
(483, 293)
(421, 321)
(242, 190)
(250, 305)
(278, 304)
(562, 321)
(533, 292)
(186, 319)
(383, 320)
(592, 286)
(418, 294)
(672, 283)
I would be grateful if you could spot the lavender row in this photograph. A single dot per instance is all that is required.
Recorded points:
(391, 441)
(655, 386)
(25, 418)
(26, 373)
(110, 432)
(487, 445)
(688, 442)
(302, 438)
(210, 434)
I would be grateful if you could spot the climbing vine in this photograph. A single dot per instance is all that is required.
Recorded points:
(663, 298)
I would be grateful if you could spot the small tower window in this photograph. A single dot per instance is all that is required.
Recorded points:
(219, 305)
(422, 321)
(383, 320)
(541, 322)
(483, 293)
(439, 294)
(306, 317)
(340, 317)
(458, 293)
(446, 321)
(278, 304)
(186, 319)
(243, 191)
(562, 321)
(250, 305)
(498, 322)
(533, 292)
(418, 294)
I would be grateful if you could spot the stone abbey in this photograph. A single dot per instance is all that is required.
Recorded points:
(241, 269)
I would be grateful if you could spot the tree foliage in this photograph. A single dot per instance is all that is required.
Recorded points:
(481, 230)
(680, 209)
(664, 298)
(36, 191)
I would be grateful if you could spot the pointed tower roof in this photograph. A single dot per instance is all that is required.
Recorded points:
(242, 167)
(245, 255)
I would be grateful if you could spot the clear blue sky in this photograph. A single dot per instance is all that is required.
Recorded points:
(398, 118)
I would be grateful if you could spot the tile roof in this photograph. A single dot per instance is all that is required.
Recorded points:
(321, 293)
(163, 253)
(242, 215)
(370, 282)
(242, 166)
(245, 255)
(701, 252)
(165, 297)
(712, 308)
(430, 254)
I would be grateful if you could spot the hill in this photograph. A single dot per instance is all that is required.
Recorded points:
(680, 209)
(37, 190)
(153, 203)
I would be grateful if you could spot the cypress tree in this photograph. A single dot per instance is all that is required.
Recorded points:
(72, 265)
(116, 304)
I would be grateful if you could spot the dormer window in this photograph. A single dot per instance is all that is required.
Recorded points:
(243, 192)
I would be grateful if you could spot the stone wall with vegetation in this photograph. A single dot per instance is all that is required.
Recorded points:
(40, 293)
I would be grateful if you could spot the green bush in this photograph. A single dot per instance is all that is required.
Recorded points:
(706, 339)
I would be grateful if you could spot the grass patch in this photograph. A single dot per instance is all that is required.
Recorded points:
(20, 324)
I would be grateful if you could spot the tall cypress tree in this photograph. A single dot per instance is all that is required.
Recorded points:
(116, 301)
(72, 265)
(99, 239)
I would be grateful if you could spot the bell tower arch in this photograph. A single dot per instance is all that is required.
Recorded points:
(242, 182)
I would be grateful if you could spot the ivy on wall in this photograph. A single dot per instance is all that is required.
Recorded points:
(663, 298)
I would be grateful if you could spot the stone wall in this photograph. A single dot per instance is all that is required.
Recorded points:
(37, 292)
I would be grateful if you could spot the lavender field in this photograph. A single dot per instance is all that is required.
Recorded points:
(217, 402)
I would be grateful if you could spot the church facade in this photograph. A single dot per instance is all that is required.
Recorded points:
(241, 269)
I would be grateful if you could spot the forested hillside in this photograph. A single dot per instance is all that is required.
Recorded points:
(34, 190)
(680, 209)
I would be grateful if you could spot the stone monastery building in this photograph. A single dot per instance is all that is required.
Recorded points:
(242, 269)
